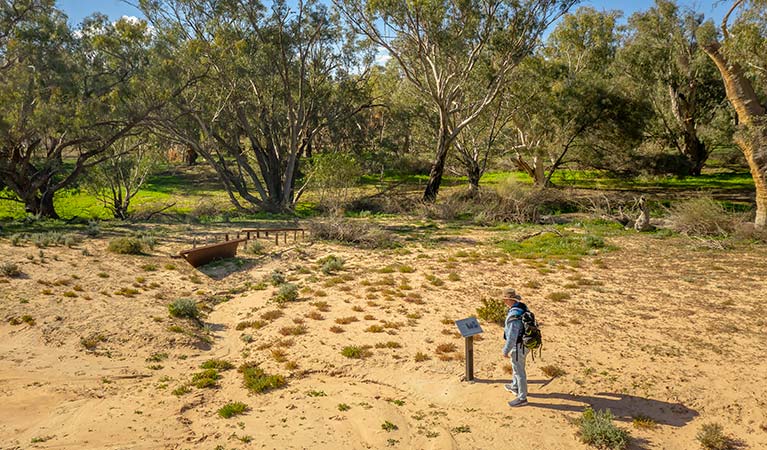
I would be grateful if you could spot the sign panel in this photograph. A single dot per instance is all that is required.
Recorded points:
(468, 327)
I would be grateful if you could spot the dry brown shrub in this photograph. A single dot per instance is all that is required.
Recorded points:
(702, 216)
(361, 234)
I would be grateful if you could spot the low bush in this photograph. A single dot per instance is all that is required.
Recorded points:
(258, 381)
(208, 378)
(711, 437)
(184, 308)
(232, 409)
(10, 269)
(702, 216)
(597, 429)
(553, 371)
(493, 310)
(331, 264)
(287, 292)
(126, 246)
(356, 352)
(218, 364)
(357, 233)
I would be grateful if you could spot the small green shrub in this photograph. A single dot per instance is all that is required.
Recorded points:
(356, 352)
(597, 429)
(258, 381)
(287, 292)
(218, 364)
(184, 307)
(331, 264)
(277, 277)
(711, 437)
(181, 390)
(10, 269)
(254, 247)
(388, 426)
(493, 310)
(344, 407)
(232, 409)
(206, 379)
(126, 246)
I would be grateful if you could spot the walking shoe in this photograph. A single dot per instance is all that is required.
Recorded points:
(517, 402)
(511, 388)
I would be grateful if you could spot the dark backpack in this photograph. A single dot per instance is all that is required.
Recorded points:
(530, 337)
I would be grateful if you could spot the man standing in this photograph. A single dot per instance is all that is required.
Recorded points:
(514, 348)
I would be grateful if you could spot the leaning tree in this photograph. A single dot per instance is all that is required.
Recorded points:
(739, 53)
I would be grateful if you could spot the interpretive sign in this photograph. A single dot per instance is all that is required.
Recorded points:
(468, 327)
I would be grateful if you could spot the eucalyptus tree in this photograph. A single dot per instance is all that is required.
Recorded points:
(273, 79)
(665, 64)
(739, 52)
(440, 44)
(65, 97)
(567, 99)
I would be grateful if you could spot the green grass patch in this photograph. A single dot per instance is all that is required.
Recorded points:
(555, 246)
(258, 381)
(232, 409)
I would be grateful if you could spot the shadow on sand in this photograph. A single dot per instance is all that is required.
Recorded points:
(624, 407)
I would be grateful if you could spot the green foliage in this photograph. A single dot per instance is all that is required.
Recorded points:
(287, 292)
(126, 246)
(388, 426)
(356, 352)
(218, 364)
(208, 378)
(333, 177)
(185, 308)
(597, 429)
(555, 245)
(258, 381)
(232, 409)
(331, 264)
(493, 310)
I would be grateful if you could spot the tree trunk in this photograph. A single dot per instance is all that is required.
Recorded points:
(41, 206)
(751, 135)
(190, 156)
(437, 169)
(695, 151)
(473, 173)
(539, 179)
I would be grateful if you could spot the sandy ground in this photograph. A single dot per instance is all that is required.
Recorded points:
(657, 328)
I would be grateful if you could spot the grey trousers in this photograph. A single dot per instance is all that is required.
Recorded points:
(519, 376)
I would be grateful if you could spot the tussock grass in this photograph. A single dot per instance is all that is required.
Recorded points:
(126, 246)
(711, 437)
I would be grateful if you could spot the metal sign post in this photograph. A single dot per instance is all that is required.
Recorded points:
(468, 328)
